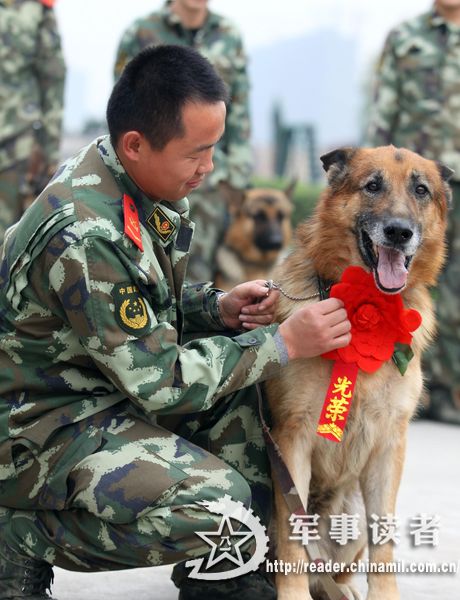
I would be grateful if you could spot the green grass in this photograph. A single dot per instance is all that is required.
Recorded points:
(304, 198)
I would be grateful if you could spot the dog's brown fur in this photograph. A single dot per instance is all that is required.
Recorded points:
(361, 474)
(259, 231)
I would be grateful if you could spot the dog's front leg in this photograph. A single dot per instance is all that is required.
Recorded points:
(296, 455)
(380, 483)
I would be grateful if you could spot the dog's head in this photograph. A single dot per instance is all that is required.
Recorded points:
(386, 209)
(260, 222)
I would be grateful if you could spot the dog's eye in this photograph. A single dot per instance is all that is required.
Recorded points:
(280, 216)
(373, 186)
(421, 190)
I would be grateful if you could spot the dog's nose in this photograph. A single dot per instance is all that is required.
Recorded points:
(398, 231)
(269, 242)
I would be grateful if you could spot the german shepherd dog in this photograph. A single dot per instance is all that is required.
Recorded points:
(259, 230)
(384, 209)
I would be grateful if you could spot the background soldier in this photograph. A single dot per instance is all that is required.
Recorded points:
(112, 428)
(417, 106)
(32, 74)
(189, 22)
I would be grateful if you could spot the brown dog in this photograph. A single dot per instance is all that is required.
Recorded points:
(384, 210)
(258, 232)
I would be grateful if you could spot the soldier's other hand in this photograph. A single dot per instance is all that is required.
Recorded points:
(248, 305)
(316, 328)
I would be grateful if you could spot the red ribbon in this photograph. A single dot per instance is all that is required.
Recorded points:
(378, 322)
(337, 402)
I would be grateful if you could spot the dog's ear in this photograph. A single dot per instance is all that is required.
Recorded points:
(289, 191)
(446, 174)
(335, 164)
(445, 171)
(233, 197)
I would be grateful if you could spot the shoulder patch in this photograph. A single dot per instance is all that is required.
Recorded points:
(130, 309)
(161, 223)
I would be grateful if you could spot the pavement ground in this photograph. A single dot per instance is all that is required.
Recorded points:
(430, 486)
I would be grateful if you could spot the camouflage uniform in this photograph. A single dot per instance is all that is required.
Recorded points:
(417, 106)
(220, 42)
(32, 73)
(110, 429)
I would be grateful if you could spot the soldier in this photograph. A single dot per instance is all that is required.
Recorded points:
(189, 22)
(417, 106)
(32, 73)
(111, 427)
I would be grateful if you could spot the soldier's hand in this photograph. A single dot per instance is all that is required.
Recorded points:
(316, 328)
(248, 305)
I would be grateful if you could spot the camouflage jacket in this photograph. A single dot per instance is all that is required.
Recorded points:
(220, 42)
(32, 74)
(89, 319)
(417, 94)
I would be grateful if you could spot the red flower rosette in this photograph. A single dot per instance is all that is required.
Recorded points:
(378, 321)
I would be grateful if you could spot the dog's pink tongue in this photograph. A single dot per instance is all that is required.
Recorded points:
(391, 269)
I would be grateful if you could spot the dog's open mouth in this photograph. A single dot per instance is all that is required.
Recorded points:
(389, 265)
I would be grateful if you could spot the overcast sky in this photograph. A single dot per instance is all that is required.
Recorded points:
(91, 30)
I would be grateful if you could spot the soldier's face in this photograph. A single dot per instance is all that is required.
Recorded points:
(180, 167)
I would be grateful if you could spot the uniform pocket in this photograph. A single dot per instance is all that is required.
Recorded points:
(420, 80)
(40, 481)
(121, 479)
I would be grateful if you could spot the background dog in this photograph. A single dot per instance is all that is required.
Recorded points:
(385, 210)
(259, 230)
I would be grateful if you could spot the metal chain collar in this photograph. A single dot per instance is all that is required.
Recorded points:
(272, 285)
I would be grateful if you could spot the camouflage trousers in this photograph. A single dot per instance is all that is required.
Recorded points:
(208, 211)
(115, 491)
(11, 203)
(442, 361)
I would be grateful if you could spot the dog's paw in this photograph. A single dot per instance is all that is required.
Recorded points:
(294, 595)
(349, 592)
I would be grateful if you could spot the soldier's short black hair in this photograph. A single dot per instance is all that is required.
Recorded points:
(153, 89)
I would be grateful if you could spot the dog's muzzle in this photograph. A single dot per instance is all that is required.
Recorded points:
(387, 246)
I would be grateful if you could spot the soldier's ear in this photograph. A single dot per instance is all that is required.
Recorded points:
(130, 143)
(335, 163)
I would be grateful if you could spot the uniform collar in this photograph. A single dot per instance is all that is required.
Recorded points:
(151, 214)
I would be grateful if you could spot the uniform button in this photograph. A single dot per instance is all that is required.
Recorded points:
(253, 341)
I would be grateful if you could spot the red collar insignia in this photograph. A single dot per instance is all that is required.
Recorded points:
(131, 218)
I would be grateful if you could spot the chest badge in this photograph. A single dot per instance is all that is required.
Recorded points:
(162, 224)
(130, 309)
